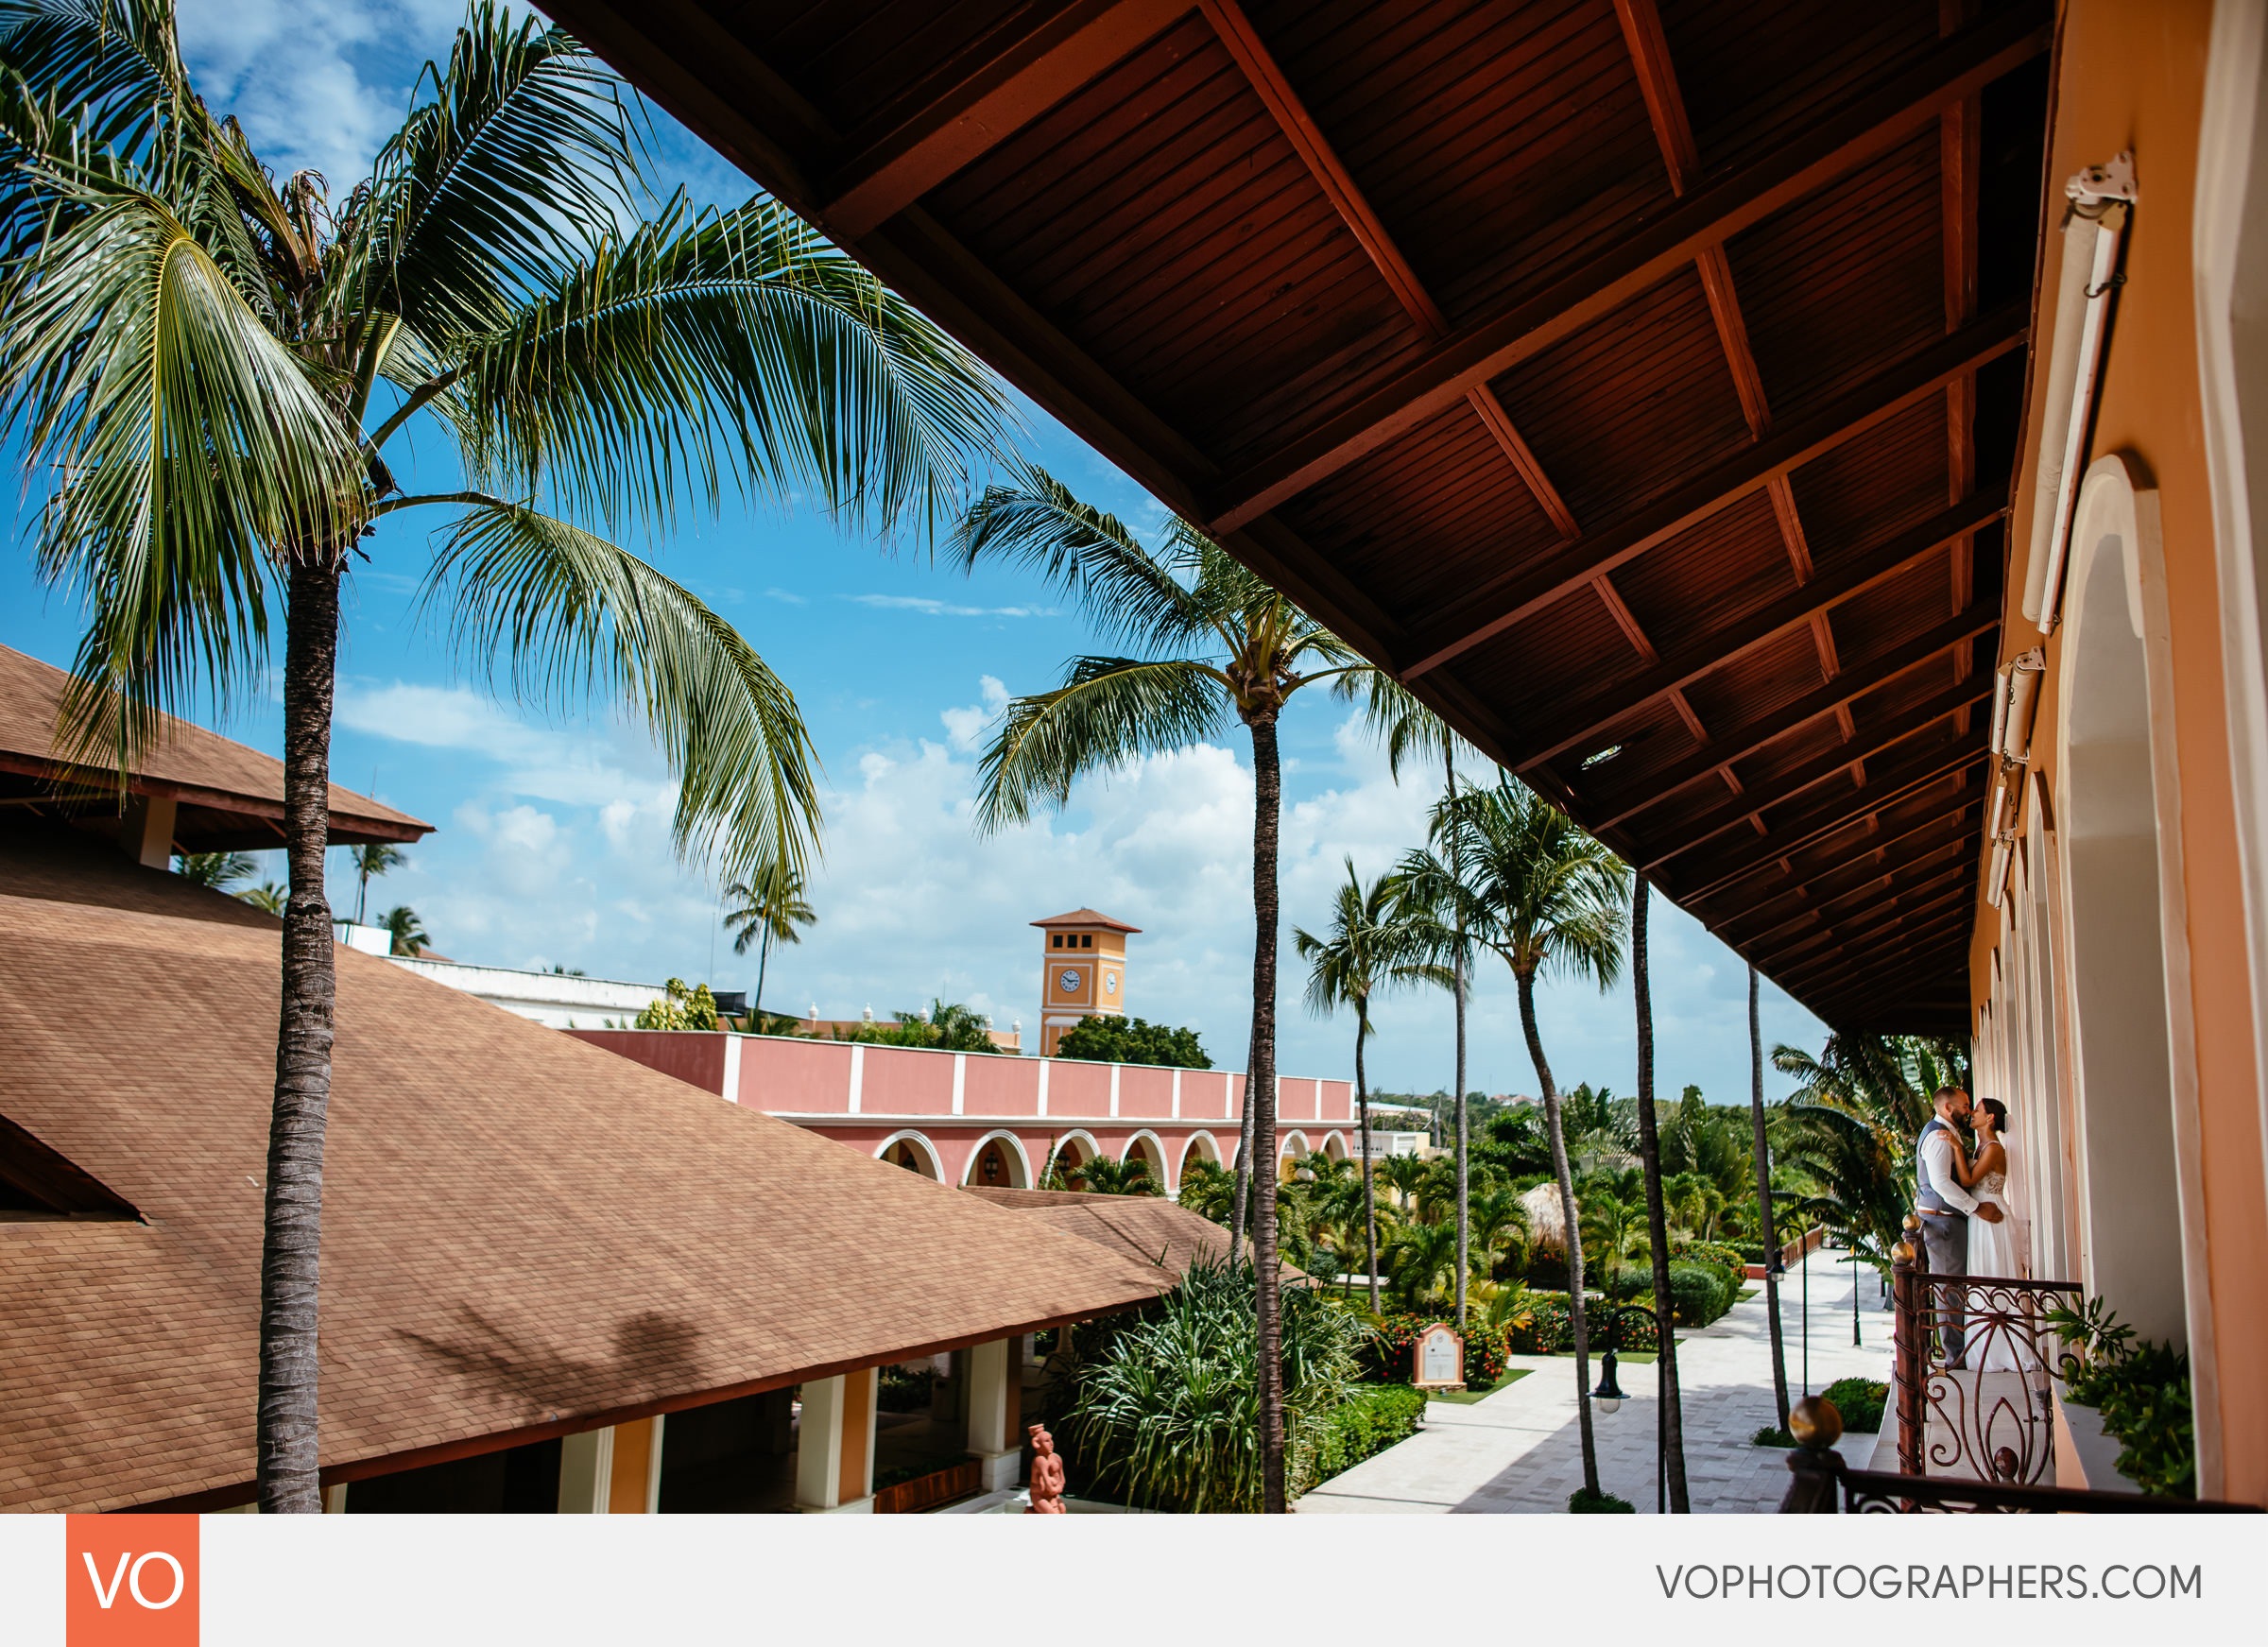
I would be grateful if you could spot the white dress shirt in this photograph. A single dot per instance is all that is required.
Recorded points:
(1937, 1160)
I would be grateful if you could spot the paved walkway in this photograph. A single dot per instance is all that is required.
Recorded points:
(1517, 1451)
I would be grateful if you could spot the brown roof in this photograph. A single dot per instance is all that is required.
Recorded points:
(1637, 382)
(521, 1233)
(1086, 917)
(1148, 1228)
(227, 793)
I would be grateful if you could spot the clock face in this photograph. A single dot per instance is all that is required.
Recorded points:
(1068, 982)
(1109, 982)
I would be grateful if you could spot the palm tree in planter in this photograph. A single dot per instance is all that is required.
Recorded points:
(1101, 1175)
(1376, 942)
(206, 367)
(1551, 900)
(1209, 641)
(771, 907)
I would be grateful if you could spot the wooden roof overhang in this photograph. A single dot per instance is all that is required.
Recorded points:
(1636, 378)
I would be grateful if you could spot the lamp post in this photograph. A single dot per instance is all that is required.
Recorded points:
(1608, 1396)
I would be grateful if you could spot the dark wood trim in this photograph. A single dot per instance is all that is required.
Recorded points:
(1658, 84)
(1808, 886)
(1711, 214)
(1882, 791)
(1746, 740)
(1595, 720)
(1853, 946)
(983, 96)
(1494, 606)
(1861, 979)
(1869, 743)
(1934, 883)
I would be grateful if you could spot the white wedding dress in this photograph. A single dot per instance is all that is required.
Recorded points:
(1992, 1252)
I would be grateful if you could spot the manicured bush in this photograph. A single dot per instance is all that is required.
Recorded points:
(1711, 1252)
(1698, 1293)
(1372, 1418)
(1859, 1401)
(1549, 1330)
(1583, 1502)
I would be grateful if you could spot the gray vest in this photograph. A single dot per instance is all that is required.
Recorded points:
(1925, 1199)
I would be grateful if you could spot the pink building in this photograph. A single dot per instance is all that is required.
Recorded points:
(968, 1118)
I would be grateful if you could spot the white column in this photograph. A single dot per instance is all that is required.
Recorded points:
(834, 1445)
(586, 1472)
(146, 830)
(334, 1499)
(858, 1074)
(992, 1411)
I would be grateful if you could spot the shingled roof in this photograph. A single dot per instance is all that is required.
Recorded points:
(524, 1236)
(232, 796)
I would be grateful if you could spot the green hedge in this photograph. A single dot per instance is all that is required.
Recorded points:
(1711, 1252)
(1548, 1329)
(1385, 1358)
(1371, 1419)
(1859, 1401)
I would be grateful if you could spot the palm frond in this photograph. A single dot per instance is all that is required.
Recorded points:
(573, 612)
(635, 375)
(1089, 558)
(514, 155)
(111, 68)
(1108, 711)
(187, 441)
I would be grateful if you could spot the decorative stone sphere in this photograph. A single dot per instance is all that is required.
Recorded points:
(1814, 1423)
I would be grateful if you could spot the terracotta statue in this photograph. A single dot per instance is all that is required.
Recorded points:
(1047, 1474)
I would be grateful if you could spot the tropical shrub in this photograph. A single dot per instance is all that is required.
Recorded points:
(1541, 1326)
(2142, 1389)
(1859, 1401)
(1583, 1502)
(904, 1389)
(1160, 1408)
(679, 1008)
(1372, 1418)
(1111, 1039)
(1699, 1293)
(1713, 1252)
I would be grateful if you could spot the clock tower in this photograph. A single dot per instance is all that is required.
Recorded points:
(1086, 956)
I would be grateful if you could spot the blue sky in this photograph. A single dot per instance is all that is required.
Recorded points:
(552, 829)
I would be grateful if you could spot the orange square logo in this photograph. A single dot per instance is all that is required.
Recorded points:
(129, 1581)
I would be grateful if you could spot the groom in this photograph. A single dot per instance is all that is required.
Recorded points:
(1945, 1209)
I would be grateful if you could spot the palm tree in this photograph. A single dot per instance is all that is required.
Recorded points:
(410, 938)
(1205, 1188)
(1763, 1203)
(1212, 641)
(771, 907)
(1375, 943)
(1404, 1175)
(375, 859)
(1103, 1176)
(1497, 1213)
(221, 871)
(203, 366)
(1850, 1125)
(267, 896)
(1551, 900)
(1658, 1223)
(1418, 1255)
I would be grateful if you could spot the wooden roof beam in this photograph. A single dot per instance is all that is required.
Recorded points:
(1863, 855)
(1887, 787)
(1696, 833)
(1266, 78)
(1941, 897)
(1595, 720)
(1862, 962)
(1521, 592)
(1613, 809)
(979, 98)
(1713, 214)
(1859, 880)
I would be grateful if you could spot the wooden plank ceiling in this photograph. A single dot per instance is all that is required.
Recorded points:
(1639, 379)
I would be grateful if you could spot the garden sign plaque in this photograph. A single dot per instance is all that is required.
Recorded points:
(1437, 1359)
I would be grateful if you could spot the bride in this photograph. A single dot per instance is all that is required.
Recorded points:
(1992, 1246)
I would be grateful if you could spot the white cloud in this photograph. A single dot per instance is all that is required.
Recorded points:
(965, 727)
(938, 609)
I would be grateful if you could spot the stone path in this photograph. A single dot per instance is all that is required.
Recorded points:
(1517, 1451)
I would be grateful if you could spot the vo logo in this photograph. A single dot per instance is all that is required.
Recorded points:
(131, 1581)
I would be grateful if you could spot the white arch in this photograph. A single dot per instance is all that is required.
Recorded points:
(1162, 1164)
(1334, 1146)
(921, 1145)
(1018, 1160)
(1198, 1141)
(2125, 911)
(1291, 1146)
(1088, 1148)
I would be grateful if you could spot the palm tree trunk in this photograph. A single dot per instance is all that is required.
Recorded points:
(1260, 1100)
(1362, 1100)
(1456, 873)
(1243, 1156)
(1658, 1223)
(292, 1232)
(1763, 1202)
(1577, 1316)
(764, 956)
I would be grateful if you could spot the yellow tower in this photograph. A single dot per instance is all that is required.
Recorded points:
(1086, 956)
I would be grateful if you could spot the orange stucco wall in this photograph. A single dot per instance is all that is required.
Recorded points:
(2131, 77)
